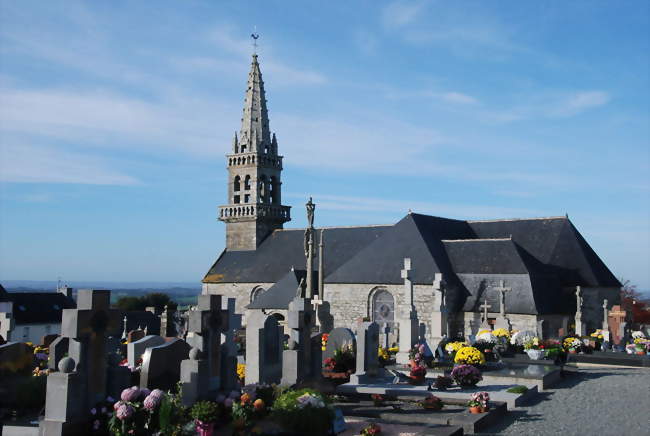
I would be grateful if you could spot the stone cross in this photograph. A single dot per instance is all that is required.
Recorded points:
(228, 345)
(124, 332)
(502, 297)
(485, 308)
(296, 361)
(309, 248)
(206, 324)
(581, 327)
(439, 320)
(409, 324)
(88, 326)
(605, 316)
(408, 284)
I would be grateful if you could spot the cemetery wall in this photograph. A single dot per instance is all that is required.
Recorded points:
(240, 291)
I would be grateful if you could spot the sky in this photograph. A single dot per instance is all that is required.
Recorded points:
(115, 118)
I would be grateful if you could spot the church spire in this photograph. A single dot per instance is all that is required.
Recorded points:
(255, 121)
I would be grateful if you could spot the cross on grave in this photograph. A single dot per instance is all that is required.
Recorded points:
(485, 308)
(88, 326)
(206, 324)
(408, 285)
(502, 298)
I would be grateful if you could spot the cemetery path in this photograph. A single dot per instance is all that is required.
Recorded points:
(595, 401)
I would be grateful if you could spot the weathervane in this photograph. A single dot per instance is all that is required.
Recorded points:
(255, 35)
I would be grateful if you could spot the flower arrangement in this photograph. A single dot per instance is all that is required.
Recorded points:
(304, 411)
(502, 334)
(416, 353)
(453, 347)
(135, 410)
(431, 402)
(638, 334)
(521, 337)
(241, 372)
(323, 341)
(442, 382)
(417, 374)
(205, 411)
(597, 335)
(469, 356)
(571, 344)
(343, 360)
(485, 336)
(532, 344)
(371, 430)
(466, 375)
(479, 399)
(384, 355)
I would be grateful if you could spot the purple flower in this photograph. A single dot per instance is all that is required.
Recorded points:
(96, 424)
(130, 394)
(124, 411)
(157, 393)
(93, 411)
(117, 405)
(144, 392)
(421, 349)
(228, 402)
(151, 402)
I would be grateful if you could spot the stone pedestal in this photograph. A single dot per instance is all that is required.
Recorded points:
(408, 336)
(581, 326)
(502, 322)
(65, 405)
(195, 379)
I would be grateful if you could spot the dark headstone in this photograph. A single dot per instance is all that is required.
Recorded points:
(161, 366)
(338, 338)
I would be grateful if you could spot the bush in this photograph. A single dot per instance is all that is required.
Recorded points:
(205, 411)
(520, 389)
(313, 417)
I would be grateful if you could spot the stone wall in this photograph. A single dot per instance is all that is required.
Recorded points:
(240, 291)
(468, 323)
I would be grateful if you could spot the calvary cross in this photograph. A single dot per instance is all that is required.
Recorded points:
(485, 307)
(502, 298)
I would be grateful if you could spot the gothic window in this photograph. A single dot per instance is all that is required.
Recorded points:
(237, 183)
(243, 148)
(262, 189)
(256, 292)
(383, 307)
(247, 182)
(237, 199)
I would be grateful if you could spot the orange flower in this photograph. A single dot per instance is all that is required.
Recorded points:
(245, 399)
(258, 404)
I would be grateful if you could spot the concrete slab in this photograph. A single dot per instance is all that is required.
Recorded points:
(356, 424)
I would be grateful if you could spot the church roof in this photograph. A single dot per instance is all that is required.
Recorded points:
(284, 249)
(280, 294)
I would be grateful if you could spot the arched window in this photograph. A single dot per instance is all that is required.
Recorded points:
(243, 148)
(382, 307)
(237, 183)
(247, 182)
(256, 292)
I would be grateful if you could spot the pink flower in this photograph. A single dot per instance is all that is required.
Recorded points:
(152, 401)
(96, 424)
(124, 411)
(117, 405)
(157, 393)
(144, 392)
(130, 394)
(228, 402)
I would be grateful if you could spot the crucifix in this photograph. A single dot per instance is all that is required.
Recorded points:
(207, 323)
(255, 35)
(485, 308)
(502, 297)
(309, 247)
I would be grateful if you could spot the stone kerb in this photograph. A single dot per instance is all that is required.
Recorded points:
(339, 337)
(135, 350)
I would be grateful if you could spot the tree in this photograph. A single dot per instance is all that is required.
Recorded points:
(154, 299)
(129, 303)
(632, 301)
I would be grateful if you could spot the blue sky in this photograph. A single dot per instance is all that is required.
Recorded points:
(115, 118)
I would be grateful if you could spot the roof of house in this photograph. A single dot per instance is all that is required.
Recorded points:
(39, 307)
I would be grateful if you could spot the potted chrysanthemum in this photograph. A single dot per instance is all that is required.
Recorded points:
(466, 375)
(532, 348)
(478, 402)
(205, 414)
(432, 402)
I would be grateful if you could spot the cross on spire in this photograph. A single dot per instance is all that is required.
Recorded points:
(255, 36)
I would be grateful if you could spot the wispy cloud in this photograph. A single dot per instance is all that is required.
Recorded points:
(402, 13)
(459, 98)
(34, 164)
(580, 102)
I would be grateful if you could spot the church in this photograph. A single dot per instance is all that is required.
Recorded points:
(539, 274)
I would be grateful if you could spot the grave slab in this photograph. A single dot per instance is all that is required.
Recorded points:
(355, 425)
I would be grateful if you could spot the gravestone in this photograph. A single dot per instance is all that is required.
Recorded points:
(48, 339)
(439, 316)
(339, 337)
(296, 361)
(316, 344)
(581, 326)
(195, 378)
(263, 348)
(229, 379)
(135, 335)
(161, 365)
(564, 330)
(540, 329)
(616, 321)
(15, 356)
(367, 353)
(66, 410)
(135, 350)
(407, 317)
(502, 321)
(58, 350)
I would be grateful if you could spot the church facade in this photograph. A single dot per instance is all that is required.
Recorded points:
(538, 272)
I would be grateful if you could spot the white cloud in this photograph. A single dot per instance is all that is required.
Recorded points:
(37, 164)
(457, 97)
(401, 13)
(579, 102)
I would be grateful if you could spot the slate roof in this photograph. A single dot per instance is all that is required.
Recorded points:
(39, 307)
(549, 252)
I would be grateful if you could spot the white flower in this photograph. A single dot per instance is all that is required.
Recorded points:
(638, 334)
(487, 337)
(520, 338)
(309, 400)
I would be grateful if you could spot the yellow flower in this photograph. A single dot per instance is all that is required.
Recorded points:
(483, 331)
(393, 350)
(241, 371)
(454, 346)
(501, 333)
(383, 354)
(469, 356)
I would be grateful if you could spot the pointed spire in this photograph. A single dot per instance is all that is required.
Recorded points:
(255, 122)
(235, 144)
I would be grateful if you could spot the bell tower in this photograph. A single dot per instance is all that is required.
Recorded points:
(254, 206)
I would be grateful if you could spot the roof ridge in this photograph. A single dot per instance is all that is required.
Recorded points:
(336, 227)
(476, 239)
(518, 219)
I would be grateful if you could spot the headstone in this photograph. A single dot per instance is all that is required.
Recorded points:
(324, 317)
(48, 339)
(564, 330)
(135, 335)
(296, 361)
(229, 378)
(339, 337)
(58, 350)
(605, 326)
(367, 353)
(581, 326)
(65, 402)
(439, 319)
(616, 321)
(118, 377)
(408, 317)
(263, 348)
(195, 378)
(316, 344)
(161, 365)
(502, 321)
(485, 325)
(135, 350)
(540, 329)
(206, 323)
(15, 356)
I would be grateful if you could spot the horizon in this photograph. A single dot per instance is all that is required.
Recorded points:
(116, 120)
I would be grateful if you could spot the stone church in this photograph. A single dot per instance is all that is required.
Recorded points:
(538, 272)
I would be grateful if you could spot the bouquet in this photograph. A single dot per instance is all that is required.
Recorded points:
(452, 347)
(432, 402)
(469, 355)
(532, 344)
(521, 337)
(371, 430)
(479, 399)
(486, 336)
(572, 343)
(502, 335)
(466, 375)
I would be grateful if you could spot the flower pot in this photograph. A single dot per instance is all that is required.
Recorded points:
(204, 428)
(640, 353)
(484, 409)
(535, 354)
(475, 409)
(573, 351)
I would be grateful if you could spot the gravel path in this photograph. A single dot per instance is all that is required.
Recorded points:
(595, 401)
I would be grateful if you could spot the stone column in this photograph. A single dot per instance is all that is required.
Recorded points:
(439, 321)
(296, 361)
(581, 326)
(408, 317)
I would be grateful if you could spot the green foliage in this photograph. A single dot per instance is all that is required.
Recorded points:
(172, 415)
(243, 413)
(205, 411)
(519, 389)
(155, 299)
(306, 420)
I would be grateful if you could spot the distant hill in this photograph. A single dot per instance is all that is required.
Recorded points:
(179, 288)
